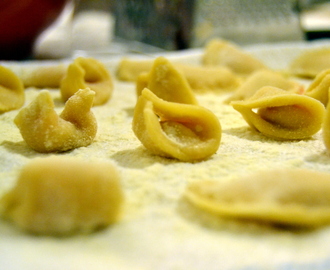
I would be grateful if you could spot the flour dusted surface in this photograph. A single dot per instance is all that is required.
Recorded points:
(159, 229)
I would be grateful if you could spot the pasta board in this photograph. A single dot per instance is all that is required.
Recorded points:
(159, 229)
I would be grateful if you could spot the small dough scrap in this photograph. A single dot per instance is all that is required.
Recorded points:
(169, 129)
(166, 82)
(220, 52)
(200, 78)
(311, 62)
(87, 73)
(61, 195)
(12, 95)
(45, 76)
(45, 131)
(263, 78)
(320, 87)
(291, 197)
(282, 115)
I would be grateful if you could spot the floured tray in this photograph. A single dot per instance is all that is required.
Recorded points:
(159, 229)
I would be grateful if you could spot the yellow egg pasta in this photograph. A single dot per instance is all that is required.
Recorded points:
(183, 131)
(262, 78)
(292, 197)
(311, 62)
(61, 195)
(220, 52)
(166, 82)
(320, 87)
(282, 115)
(87, 73)
(46, 131)
(12, 94)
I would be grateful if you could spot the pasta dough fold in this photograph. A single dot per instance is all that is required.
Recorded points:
(182, 131)
(12, 94)
(87, 73)
(45, 131)
(294, 197)
(282, 115)
(320, 87)
(61, 195)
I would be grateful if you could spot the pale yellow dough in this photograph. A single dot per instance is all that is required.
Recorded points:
(200, 78)
(262, 78)
(46, 131)
(12, 94)
(282, 115)
(166, 82)
(87, 73)
(295, 197)
(311, 62)
(220, 52)
(320, 87)
(61, 195)
(182, 131)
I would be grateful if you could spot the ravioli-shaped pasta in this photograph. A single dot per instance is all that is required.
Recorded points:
(263, 78)
(200, 78)
(282, 115)
(87, 73)
(166, 82)
(220, 52)
(320, 87)
(311, 62)
(183, 131)
(291, 197)
(46, 131)
(12, 94)
(61, 195)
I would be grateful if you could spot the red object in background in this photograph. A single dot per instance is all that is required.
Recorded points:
(21, 22)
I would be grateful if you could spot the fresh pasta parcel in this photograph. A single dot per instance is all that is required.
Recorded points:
(183, 131)
(60, 195)
(282, 115)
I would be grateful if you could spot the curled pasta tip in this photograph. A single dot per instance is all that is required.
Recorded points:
(45, 131)
(282, 115)
(294, 197)
(12, 94)
(182, 131)
(167, 82)
(87, 73)
(319, 88)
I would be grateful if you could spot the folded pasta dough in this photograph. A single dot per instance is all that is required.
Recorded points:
(294, 197)
(220, 52)
(60, 195)
(262, 78)
(12, 95)
(200, 78)
(282, 115)
(326, 129)
(46, 131)
(311, 62)
(320, 87)
(87, 73)
(182, 131)
(167, 83)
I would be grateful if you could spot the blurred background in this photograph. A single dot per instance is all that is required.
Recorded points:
(54, 29)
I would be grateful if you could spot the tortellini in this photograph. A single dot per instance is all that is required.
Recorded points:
(320, 87)
(46, 131)
(282, 115)
(166, 82)
(200, 78)
(311, 62)
(294, 197)
(12, 94)
(61, 195)
(87, 73)
(169, 129)
(263, 78)
(224, 53)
